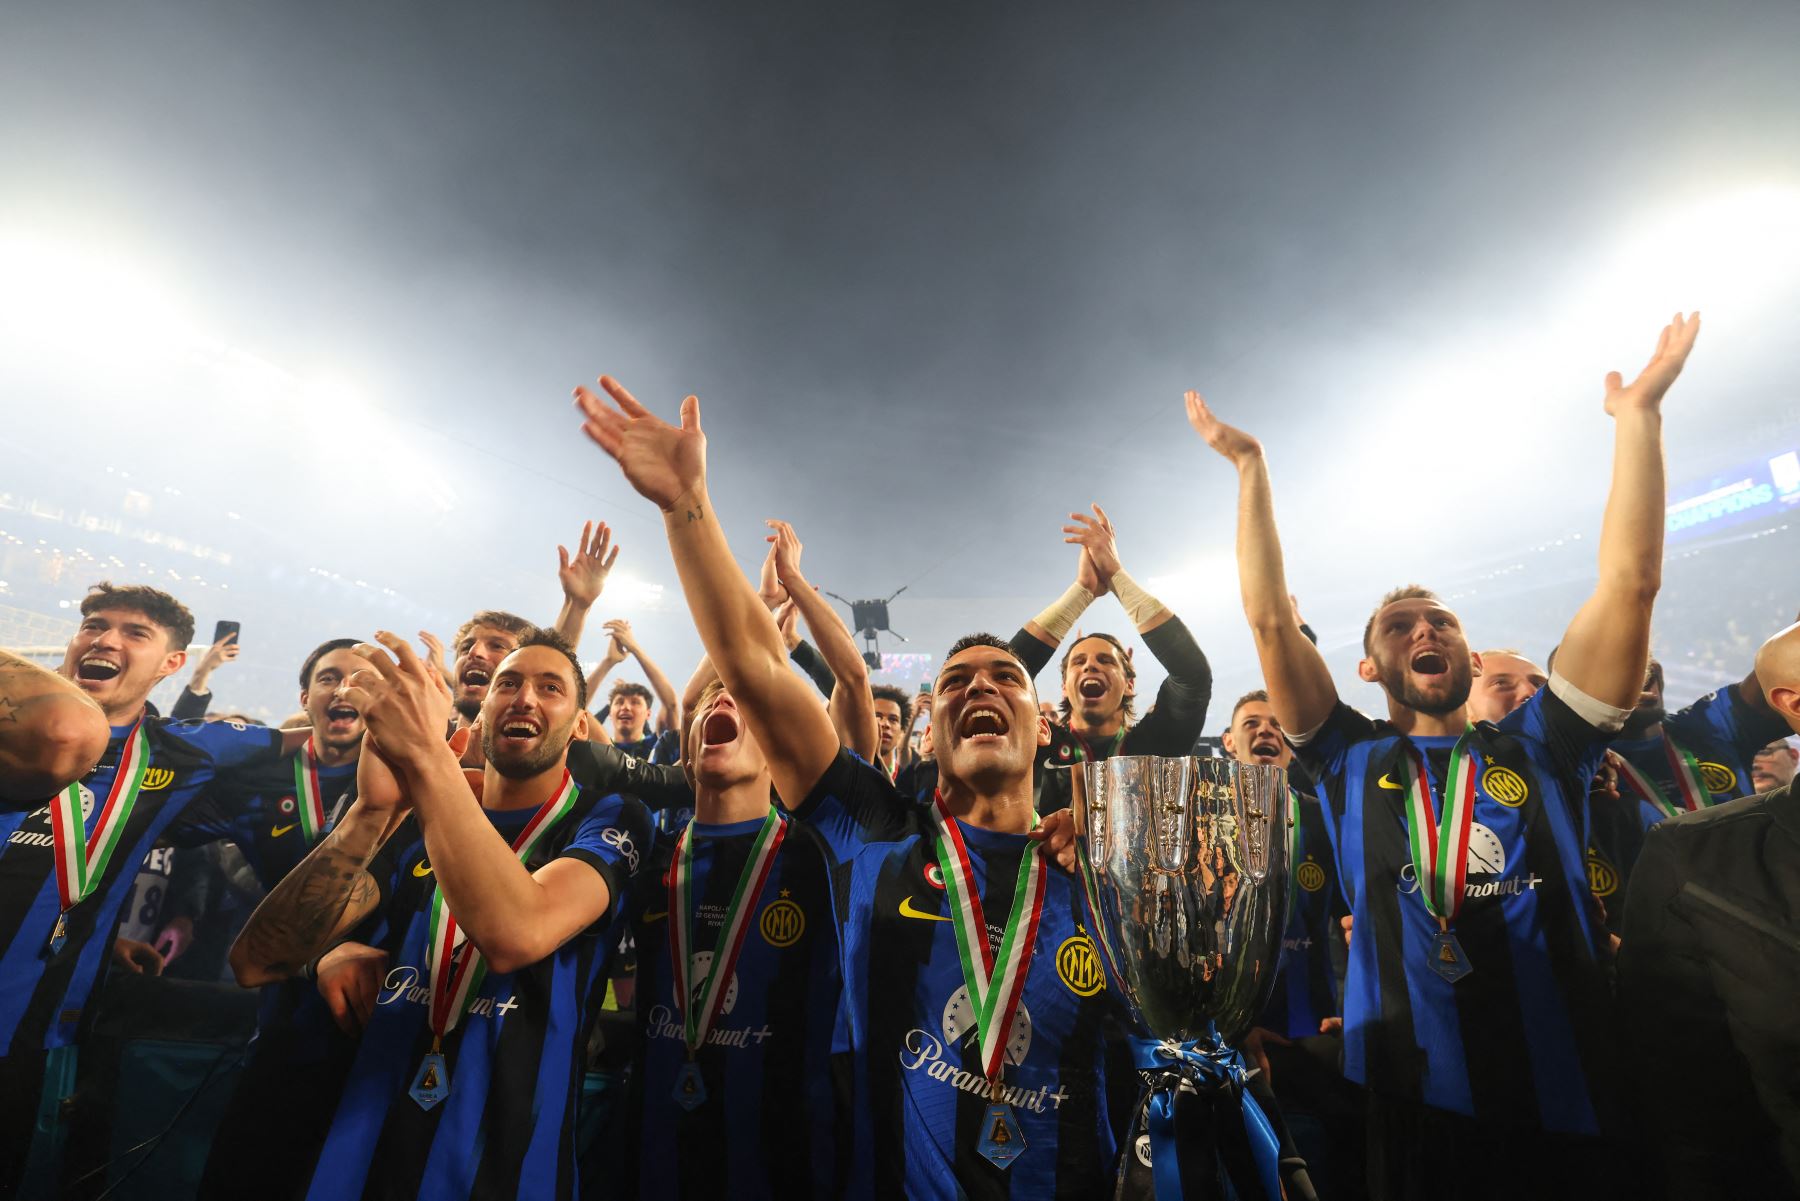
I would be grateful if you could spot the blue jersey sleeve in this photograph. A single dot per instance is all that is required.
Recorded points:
(1576, 745)
(613, 839)
(1324, 754)
(853, 805)
(230, 744)
(1726, 718)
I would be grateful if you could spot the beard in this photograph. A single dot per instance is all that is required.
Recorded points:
(524, 765)
(344, 744)
(468, 708)
(1458, 681)
(1641, 719)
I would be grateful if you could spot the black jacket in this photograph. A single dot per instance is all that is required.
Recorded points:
(1709, 987)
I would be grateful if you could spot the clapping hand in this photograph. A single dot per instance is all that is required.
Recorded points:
(403, 701)
(1099, 550)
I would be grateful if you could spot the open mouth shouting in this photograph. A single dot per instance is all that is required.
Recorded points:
(1429, 662)
(983, 725)
(1091, 688)
(721, 728)
(341, 718)
(1266, 748)
(518, 729)
(475, 676)
(97, 669)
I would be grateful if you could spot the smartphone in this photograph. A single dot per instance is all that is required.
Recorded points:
(224, 629)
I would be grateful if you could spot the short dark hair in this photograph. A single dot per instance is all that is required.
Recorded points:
(1403, 592)
(319, 652)
(982, 638)
(630, 688)
(1254, 695)
(161, 608)
(889, 692)
(1063, 707)
(537, 636)
(500, 619)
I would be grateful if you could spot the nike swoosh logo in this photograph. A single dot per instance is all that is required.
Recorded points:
(1387, 781)
(656, 917)
(278, 831)
(421, 869)
(907, 910)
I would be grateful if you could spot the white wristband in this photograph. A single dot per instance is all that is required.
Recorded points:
(1064, 612)
(1140, 606)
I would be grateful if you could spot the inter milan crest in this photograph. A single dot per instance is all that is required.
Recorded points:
(1001, 1139)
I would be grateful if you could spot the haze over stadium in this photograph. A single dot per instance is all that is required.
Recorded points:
(295, 294)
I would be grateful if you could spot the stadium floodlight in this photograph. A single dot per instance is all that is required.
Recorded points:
(1730, 253)
(86, 298)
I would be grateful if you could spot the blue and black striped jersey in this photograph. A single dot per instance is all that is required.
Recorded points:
(515, 1060)
(1525, 1038)
(918, 1089)
(1721, 732)
(769, 1126)
(42, 995)
(1310, 979)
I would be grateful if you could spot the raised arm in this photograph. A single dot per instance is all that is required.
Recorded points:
(667, 465)
(1037, 639)
(515, 916)
(620, 629)
(583, 577)
(852, 705)
(1606, 650)
(329, 892)
(196, 698)
(51, 733)
(1300, 687)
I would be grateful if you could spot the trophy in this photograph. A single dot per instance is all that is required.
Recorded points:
(1184, 867)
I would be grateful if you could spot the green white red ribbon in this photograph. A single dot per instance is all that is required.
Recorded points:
(996, 984)
(306, 793)
(1440, 843)
(453, 984)
(1682, 769)
(81, 861)
(697, 1018)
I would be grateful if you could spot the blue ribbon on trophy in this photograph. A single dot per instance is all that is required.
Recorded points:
(1209, 1065)
(1183, 864)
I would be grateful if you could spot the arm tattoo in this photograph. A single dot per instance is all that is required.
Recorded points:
(295, 922)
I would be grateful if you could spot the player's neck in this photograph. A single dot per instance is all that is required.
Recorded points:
(124, 714)
(745, 801)
(1415, 724)
(1095, 731)
(626, 734)
(1007, 810)
(501, 793)
(327, 755)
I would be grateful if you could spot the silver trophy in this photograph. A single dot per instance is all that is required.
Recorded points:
(1184, 864)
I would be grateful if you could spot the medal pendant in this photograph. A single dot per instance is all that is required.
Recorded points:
(690, 1089)
(432, 1084)
(59, 936)
(1447, 957)
(1001, 1139)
